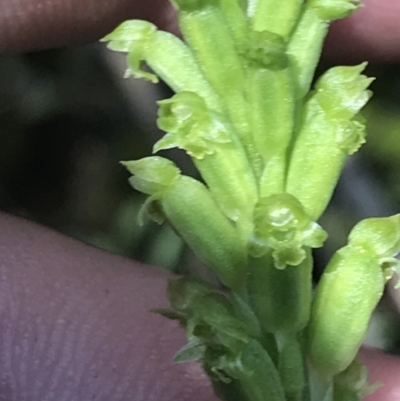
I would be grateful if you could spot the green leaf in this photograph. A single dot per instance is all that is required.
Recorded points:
(260, 379)
(182, 292)
(193, 351)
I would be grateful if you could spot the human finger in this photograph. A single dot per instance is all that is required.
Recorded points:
(372, 33)
(38, 24)
(75, 324)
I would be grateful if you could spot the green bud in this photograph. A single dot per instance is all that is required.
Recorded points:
(143, 42)
(331, 10)
(346, 296)
(191, 210)
(216, 152)
(282, 225)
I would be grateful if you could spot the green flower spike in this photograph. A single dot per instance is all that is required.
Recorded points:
(216, 152)
(331, 129)
(282, 225)
(348, 293)
(191, 210)
(143, 42)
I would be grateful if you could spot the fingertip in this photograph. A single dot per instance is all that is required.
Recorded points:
(372, 33)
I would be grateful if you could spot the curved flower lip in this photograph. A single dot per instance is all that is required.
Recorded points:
(282, 225)
(189, 125)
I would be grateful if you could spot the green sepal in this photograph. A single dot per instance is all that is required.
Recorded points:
(380, 234)
(282, 225)
(331, 10)
(134, 37)
(143, 42)
(345, 298)
(259, 379)
(152, 175)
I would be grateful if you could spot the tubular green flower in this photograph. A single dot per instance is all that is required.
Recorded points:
(349, 291)
(216, 152)
(329, 131)
(283, 227)
(205, 29)
(346, 296)
(191, 210)
(166, 55)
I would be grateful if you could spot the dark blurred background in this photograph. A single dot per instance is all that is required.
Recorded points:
(67, 118)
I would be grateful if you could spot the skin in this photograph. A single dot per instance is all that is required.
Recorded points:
(69, 308)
